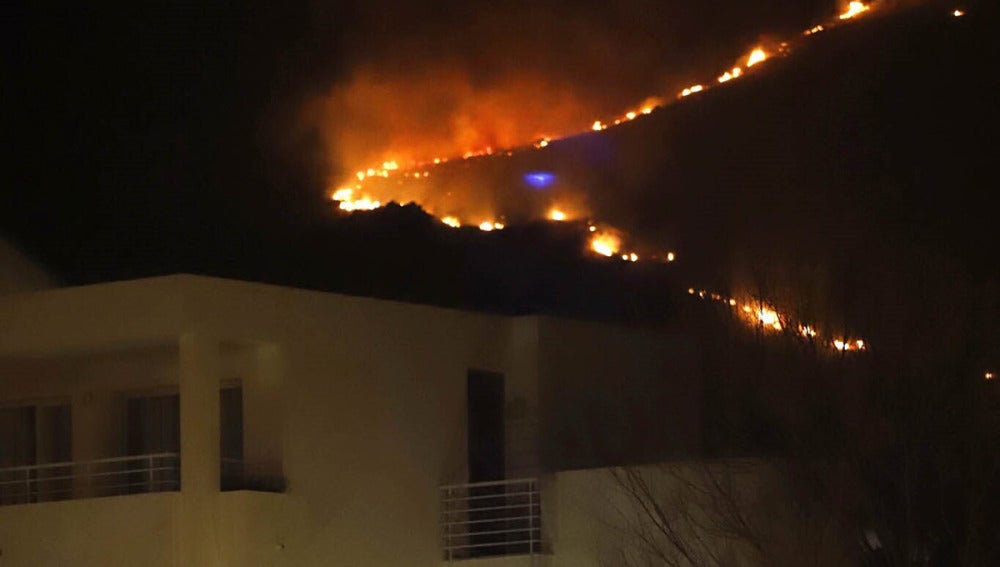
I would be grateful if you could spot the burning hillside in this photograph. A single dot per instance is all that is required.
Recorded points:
(434, 179)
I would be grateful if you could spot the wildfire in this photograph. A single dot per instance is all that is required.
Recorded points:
(756, 56)
(757, 314)
(348, 198)
(489, 226)
(730, 75)
(605, 244)
(848, 345)
(692, 90)
(362, 192)
(854, 9)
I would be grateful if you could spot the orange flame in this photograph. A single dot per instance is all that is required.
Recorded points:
(854, 9)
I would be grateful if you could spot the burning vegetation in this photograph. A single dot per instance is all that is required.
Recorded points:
(408, 173)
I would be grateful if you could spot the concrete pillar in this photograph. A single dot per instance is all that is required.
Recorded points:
(199, 368)
(263, 410)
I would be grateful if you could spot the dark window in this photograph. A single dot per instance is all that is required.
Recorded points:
(33, 435)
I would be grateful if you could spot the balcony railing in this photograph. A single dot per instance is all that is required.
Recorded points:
(489, 519)
(89, 479)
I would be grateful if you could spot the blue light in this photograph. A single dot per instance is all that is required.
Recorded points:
(539, 179)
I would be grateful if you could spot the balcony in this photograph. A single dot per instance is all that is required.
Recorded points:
(491, 519)
(117, 476)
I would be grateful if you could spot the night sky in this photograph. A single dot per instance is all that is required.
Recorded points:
(167, 137)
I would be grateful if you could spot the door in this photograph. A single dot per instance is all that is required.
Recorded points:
(485, 392)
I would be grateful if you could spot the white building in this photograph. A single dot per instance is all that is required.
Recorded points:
(186, 420)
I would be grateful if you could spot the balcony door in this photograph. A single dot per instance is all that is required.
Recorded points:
(485, 402)
(35, 450)
(153, 441)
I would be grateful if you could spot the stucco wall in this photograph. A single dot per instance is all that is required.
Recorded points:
(123, 530)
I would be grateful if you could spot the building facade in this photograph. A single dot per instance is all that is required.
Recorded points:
(186, 420)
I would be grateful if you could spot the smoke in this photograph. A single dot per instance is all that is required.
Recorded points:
(437, 79)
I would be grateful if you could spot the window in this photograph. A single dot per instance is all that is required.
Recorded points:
(35, 449)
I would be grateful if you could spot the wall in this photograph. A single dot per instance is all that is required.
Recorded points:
(124, 530)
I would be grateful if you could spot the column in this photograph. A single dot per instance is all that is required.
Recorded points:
(198, 536)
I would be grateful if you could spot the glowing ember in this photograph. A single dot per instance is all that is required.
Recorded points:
(988, 375)
(365, 204)
(854, 9)
(692, 90)
(958, 14)
(769, 318)
(736, 73)
(605, 244)
(671, 256)
(557, 215)
(342, 194)
(452, 222)
(847, 346)
(757, 56)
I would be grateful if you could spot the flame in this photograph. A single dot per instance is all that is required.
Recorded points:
(453, 222)
(756, 56)
(854, 9)
(736, 73)
(989, 375)
(768, 317)
(845, 345)
(605, 244)
(758, 314)
(557, 215)
(692, 90)
(959, 14)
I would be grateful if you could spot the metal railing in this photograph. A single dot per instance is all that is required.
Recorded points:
(117, 476)
(488, 519)
(237, 474)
